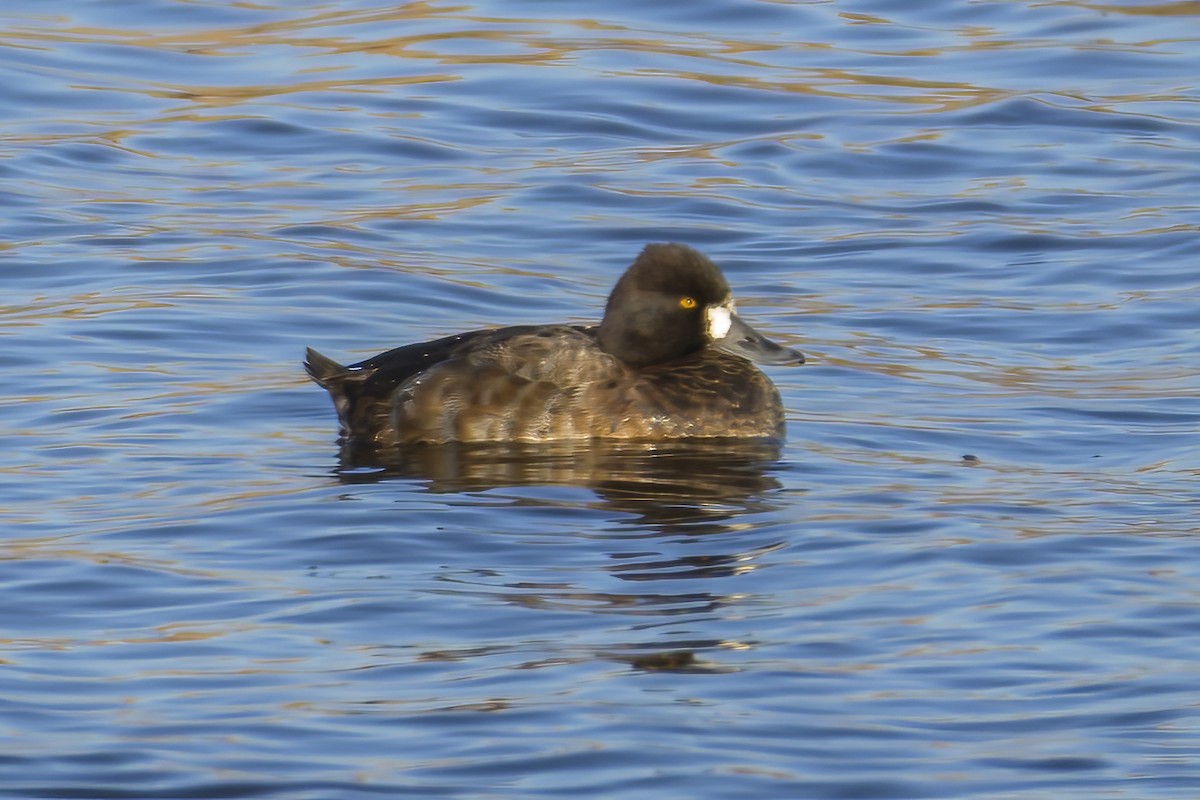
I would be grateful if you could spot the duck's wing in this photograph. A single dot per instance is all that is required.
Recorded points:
(362, 392)
(519, 384)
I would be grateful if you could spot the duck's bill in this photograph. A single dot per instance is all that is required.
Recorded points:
(744, 341)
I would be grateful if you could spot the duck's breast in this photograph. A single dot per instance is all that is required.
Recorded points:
(710, 394)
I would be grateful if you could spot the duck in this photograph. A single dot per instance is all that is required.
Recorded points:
(671, 359)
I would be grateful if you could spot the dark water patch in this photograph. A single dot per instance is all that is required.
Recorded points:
(260, 137)
(1034, 111)
(328, 233)
(1136, 417)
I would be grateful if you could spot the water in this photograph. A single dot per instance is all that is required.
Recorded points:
(978, 219)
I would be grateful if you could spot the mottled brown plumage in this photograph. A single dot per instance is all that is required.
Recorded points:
(666, 363)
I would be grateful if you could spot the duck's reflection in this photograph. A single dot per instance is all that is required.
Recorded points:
(691, 517)
(700, 485)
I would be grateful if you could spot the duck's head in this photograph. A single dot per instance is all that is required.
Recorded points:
(673, 301)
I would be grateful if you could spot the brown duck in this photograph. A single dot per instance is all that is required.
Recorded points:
(668, 361)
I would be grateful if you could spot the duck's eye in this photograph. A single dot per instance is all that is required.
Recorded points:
(687, 303)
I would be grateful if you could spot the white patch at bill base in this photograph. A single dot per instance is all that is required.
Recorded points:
(718, 319)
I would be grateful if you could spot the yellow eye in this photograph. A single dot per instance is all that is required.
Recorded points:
(687, 302)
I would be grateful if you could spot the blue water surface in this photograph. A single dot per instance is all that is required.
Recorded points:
(972, 571)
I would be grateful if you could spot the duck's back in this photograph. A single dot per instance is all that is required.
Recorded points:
(521, 383)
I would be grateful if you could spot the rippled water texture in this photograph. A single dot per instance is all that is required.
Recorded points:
(979, 219)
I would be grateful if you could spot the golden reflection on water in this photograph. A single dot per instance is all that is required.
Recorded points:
(1186, 8)
(92, 305)
(533, 42)
(226, 96)
(69, 547)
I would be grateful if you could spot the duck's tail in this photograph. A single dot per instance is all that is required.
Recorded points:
(342, 383)
(323, 369)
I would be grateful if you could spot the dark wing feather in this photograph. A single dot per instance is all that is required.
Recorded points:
(362, 393)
